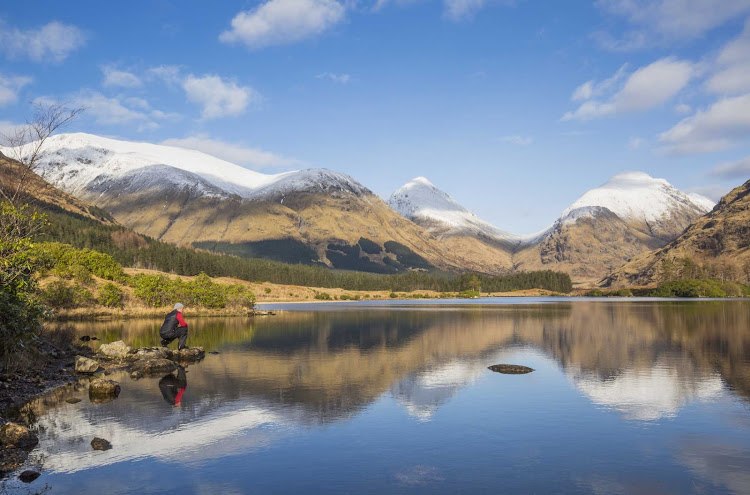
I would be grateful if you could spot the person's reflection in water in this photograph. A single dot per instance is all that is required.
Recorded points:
(173, 387)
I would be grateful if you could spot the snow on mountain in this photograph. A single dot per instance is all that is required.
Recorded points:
(636, 196)
(83, 163)
(419, 200)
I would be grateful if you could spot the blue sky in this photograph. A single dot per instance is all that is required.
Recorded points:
(515, 108)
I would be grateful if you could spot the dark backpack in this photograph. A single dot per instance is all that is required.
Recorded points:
(170, 324)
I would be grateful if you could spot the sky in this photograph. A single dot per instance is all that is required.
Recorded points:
(513, 107)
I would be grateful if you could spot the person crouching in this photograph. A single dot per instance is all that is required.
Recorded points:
(174, 327)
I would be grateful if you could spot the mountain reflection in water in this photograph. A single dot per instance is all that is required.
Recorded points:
(285, 387)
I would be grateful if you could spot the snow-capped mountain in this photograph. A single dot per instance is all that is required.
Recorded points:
(420, 201)
(86, 165)
(644, 200)
(632, 212)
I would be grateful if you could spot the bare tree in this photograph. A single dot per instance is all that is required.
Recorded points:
(25, 145)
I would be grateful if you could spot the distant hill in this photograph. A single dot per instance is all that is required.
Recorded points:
(720, 240)
(607, 226)
(189, 198)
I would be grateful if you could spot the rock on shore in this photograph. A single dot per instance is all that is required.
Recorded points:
(86, 365)
(116, 350)
(15, 435)
(144, 367)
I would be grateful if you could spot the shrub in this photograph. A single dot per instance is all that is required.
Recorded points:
(468, 294)
(240, 296)
(111, 295)
(345, 297)
(60, 295)
(393, 295)
(323, 296)
(267, 290)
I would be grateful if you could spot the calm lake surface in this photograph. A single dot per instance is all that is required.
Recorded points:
(627, 397)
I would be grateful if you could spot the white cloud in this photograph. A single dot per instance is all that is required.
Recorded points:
(646, 88)
(663, 21)
(636, 143)
(219, 97)
(733, 62)
(115, 77)
(337, 78)
(135, 102)
(590, 89)
(52, 42)
(458, 10)
(8, 130)
(9, 88)
(519, 140)
(717, 128)
(713, 192)
(235, 153)
(683, 108)
(278, 22)
(170, 74)
(739, 169)
(111, 111)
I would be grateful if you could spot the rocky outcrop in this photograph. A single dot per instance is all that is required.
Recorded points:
(100, 444)
(144, 367)
(86, 366)
(15, 435)
(103, 390)
(152, 353)
(191, 354)
(116, 350)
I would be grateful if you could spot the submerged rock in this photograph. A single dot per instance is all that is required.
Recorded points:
(152, 366)
(28, 476)
(117, 350)
(189, 354)
(86, 365)
(15, 435)
(100, 444)
(103, 390)
(73, 400)
(510, 369)
(153, 353)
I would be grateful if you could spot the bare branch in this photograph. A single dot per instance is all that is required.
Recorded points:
(26, 144)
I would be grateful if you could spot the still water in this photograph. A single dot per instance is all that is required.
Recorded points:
(627, 397)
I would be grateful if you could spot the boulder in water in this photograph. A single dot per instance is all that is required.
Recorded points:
(86, 365)
(103, 390)
(100, 444)
(116, 350)
(510, 369)
(73, 400)
(15, 435)
(152, 366)
(28, 476)
(191, 354)
(152, 353)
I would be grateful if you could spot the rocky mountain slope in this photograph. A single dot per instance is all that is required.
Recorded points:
(720, 237)
(189, 198)
(607, 226)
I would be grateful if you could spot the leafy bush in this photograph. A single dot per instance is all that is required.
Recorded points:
(267, 290)
(690, 288)
(393, 295)
(111, 295)
(60, 295)
(468, 294)
(68, 261)
(323, 296)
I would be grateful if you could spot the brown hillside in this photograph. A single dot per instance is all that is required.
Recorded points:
(722, 236)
